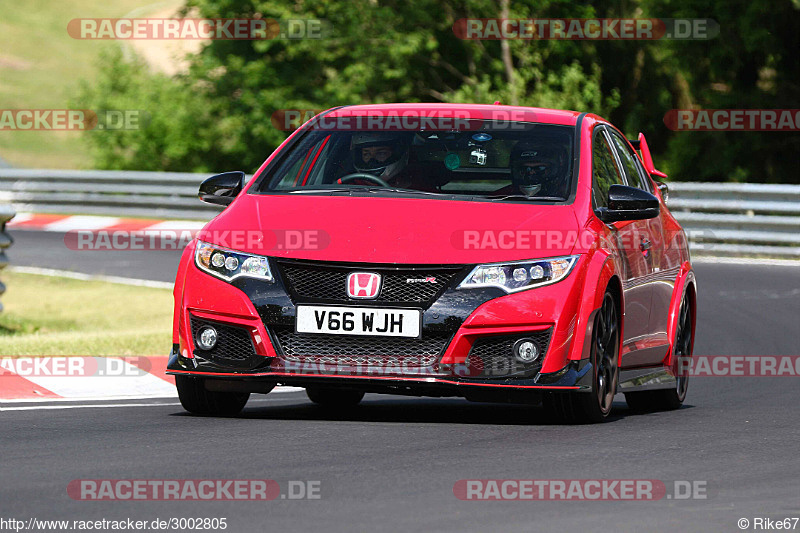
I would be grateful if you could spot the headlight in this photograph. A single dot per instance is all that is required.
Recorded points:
(513, 277)
(228, 264)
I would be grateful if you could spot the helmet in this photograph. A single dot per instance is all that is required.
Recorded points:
(381, 154)
(538, 165)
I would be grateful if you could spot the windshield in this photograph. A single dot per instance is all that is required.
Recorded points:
(493, 161)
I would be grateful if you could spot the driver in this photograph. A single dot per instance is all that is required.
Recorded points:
(538, 169)
(382, 154)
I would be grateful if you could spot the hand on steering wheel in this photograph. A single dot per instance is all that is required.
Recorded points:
(365, 176)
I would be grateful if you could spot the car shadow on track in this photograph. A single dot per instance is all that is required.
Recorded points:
(416, 410)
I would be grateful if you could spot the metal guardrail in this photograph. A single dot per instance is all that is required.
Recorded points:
(720, 218)
(6, 214)
(168, 195)
(739, 219)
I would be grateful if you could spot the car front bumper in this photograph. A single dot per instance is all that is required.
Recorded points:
(575, 377)
(256, 311)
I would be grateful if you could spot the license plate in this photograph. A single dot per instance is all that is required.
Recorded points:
(359, 321)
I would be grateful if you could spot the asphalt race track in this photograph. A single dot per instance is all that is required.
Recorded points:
(391, 464)
(47, 249)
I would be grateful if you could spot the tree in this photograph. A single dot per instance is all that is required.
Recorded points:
(218, 116)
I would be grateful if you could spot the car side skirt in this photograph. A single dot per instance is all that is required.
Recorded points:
(644, 379)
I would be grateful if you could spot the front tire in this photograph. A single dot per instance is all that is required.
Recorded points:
(669, 399)
(594, 406)
(334, 398)
(197, 400)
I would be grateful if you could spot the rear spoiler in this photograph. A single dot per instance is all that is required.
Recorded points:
(647, 159)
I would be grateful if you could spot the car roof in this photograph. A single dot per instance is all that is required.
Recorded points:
(476, 111)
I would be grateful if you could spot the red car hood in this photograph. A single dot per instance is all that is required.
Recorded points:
(393, 230)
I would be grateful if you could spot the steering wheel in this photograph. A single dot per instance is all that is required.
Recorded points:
(365, 176)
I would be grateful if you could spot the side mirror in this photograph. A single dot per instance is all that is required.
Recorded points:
(222, 188)
(663, 190)
(628, 203)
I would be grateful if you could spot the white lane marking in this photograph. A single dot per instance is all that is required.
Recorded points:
(106, 405)
(82, 406)
(173, 393)
(19, 217)
(91, 277)
(126, 377)
(82, 222)
(744, 261)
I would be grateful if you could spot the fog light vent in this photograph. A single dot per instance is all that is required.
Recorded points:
(500, 356)
(526, 351)
(206, 338)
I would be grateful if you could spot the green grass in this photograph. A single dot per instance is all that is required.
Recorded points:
(41, 67)
(46, 315)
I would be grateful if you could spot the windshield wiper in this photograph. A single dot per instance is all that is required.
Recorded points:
(361, 188)
(368, 188)
(309, 190)
(524, 197)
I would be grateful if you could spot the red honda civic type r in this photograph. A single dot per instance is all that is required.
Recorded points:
(494, 253)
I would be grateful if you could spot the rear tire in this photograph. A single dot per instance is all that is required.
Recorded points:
(669, 399)
(334, 398)
(594, 406)
(197, 400)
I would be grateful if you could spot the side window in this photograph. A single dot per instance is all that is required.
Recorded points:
(604, 170)
(635, 178)
(289, 179)
(305, 170)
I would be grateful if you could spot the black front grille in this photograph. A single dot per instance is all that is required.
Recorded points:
(234, 344)
(493, 356)
(327, 282)
(360, 350)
